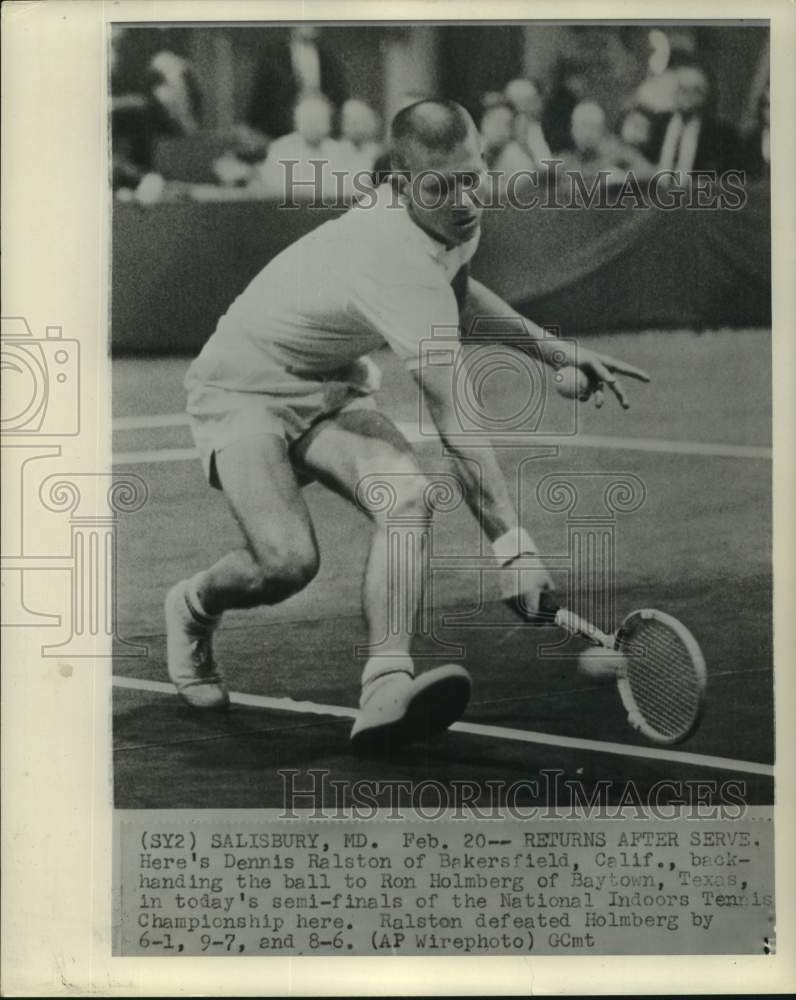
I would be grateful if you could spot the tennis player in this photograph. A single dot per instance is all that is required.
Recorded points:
(282, 393)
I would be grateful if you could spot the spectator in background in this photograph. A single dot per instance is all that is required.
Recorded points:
(174, 93)
(131, 127)
(359, 125)
(299, 165)
(634, 149)
(592, 148)
(359, 149)
(656, 93)
(290, 71)
(492, 97)
(525, 97)
(165, 100)
(569, 88)
(692, 137)
(636, 132)
(237, 165)
(595, 149)
(130, 144)
(756, 152)
(502, 153)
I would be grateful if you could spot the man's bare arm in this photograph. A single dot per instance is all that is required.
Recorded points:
(487, 495)
(484, 485)
(481, 312)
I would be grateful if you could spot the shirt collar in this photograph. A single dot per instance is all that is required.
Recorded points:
(433, 247)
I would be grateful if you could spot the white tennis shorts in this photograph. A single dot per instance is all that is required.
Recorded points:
(292, 405)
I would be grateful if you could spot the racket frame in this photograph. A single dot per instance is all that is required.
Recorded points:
(576, 625)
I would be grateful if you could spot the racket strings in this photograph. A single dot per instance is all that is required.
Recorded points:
(661, 676)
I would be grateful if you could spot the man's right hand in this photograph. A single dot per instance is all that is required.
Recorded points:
(528, 590)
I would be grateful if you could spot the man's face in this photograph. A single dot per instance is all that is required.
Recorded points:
(497, 127)
(313, 120)
(444, 191)
(588, 130)
(525, 97)
(692, 90)
(358, 122)
(636, 129)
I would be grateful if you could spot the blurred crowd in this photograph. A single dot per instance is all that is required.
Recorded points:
(302, 128)
(305, 131)
(667, 124)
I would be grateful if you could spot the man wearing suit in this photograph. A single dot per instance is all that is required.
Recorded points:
(757, 145)
(291, 70)
(692, 138)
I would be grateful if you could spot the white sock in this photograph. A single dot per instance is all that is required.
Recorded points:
(516, 542)
(198, 613)
(383, 666)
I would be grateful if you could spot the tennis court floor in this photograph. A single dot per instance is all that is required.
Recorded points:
(698, 438)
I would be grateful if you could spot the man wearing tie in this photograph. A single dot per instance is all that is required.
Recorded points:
(693, 139)
(296, 68)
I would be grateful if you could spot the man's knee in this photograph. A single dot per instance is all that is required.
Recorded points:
(283, 569)
(402, 492)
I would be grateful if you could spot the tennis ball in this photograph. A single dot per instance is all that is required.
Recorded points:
(571, 383)
(599, 664)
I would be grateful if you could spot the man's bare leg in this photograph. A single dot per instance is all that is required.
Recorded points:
(361, 456)
(279, 558)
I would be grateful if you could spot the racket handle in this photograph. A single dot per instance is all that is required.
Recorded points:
(545, 613)
(549, 606)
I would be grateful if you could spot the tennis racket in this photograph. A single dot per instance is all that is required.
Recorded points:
(660, 675)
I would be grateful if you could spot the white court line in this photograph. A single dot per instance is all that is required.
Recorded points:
(476, 729)
(413, 435)
(140, 422)
(157, 455)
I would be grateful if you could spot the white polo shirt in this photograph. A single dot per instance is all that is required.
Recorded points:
(368, 277)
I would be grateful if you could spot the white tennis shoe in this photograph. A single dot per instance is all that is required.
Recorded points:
(189, 653)
(398, 708)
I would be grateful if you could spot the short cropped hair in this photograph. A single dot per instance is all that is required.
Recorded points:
(430, 125)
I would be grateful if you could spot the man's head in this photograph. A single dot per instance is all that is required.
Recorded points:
(693, 90)
(636, 128)
(497, 125)
(358, 122)
(525, 96)
(312, 118)
(588, 126)
(435, 150)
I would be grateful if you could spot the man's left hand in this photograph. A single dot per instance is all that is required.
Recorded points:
(602, 370)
